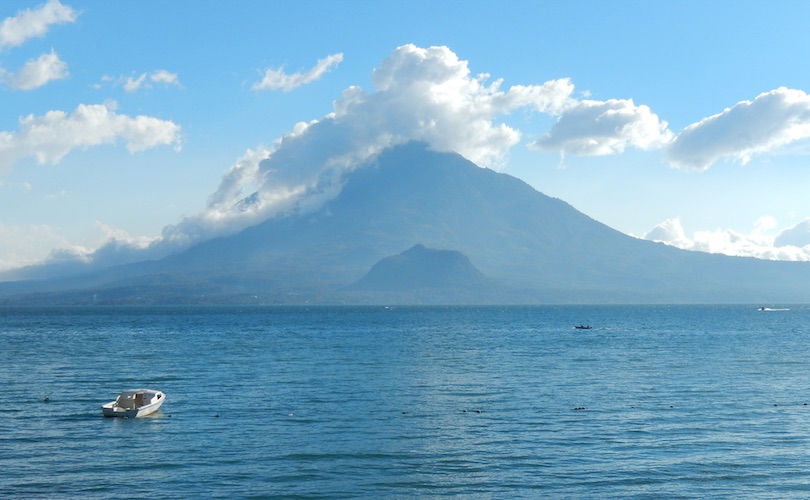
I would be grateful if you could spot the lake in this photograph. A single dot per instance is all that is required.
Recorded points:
(394, 402)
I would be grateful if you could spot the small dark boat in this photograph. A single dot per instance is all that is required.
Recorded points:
(583, 327)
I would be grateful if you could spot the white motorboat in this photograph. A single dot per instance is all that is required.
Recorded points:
(134, 403)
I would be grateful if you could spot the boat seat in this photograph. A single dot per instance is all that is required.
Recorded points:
(126, 403)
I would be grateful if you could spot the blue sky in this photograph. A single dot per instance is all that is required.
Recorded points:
(140, 125)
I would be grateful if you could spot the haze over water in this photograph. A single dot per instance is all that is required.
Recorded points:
(674, 401)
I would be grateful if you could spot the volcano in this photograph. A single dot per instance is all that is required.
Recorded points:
(521, 247)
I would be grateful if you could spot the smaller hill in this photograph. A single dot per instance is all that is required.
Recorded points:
(422, 268)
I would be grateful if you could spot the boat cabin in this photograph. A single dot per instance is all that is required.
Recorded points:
(135, 399)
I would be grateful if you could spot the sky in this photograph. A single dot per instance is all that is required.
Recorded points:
(137, 128)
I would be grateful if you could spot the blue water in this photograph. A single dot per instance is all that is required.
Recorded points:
(373, 402)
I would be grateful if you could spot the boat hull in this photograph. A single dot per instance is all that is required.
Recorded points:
(112, 410)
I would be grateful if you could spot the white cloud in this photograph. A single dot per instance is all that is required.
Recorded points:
(22, 246)
(224, 212)
(131, 85)
(163, 76)
(144, 80)
(772, 120)
(50, 137)
(28, 24)
(119, 247)
(598, 128)
(758, 243)
(798, 235)
(36, 73)
(427, 95)
(421, 94)
(30, 245)
(277, 79)
(670, 232)
(31, 23)
(594, 128)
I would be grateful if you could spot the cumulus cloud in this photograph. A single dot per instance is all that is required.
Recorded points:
(670, 232)
(32, 23)
(232, 207)
(430, 95)
(420, 94)
(758, 243)
(28, 24)
(277, 79)
(599, 128)
(36, 73)
(769, 122)
(50, 137)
